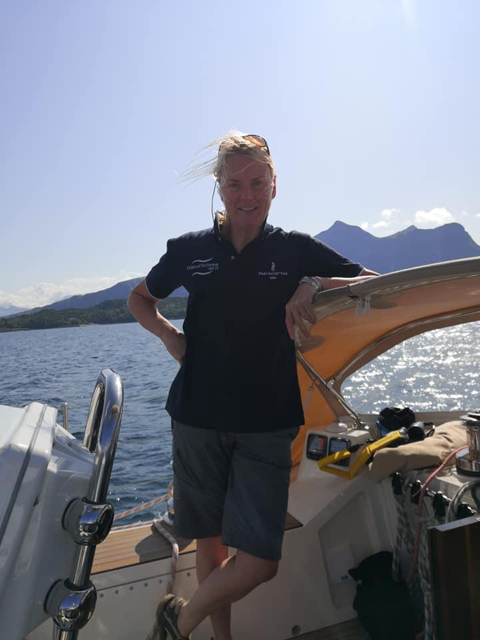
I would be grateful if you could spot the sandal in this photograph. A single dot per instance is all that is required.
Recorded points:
(167, 617)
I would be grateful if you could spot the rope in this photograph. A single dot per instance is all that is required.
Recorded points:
(405, 537)
(153, 635)
(133, 525)
(418, 578)
(420, 553)
(424, 575)
(141, 507)
(175, 552)
(420, 505)
(157, 524)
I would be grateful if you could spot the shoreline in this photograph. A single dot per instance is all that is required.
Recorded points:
(107, 312)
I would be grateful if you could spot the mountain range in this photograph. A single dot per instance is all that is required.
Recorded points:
(10, 310)
(411, 247)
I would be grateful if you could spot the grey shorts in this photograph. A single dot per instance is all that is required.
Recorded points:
(233, 485)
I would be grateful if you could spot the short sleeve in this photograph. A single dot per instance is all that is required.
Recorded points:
(318, 259)
(163, 278)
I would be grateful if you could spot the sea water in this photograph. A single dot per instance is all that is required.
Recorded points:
(435, 371)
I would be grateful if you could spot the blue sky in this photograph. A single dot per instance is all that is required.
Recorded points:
(370, 110)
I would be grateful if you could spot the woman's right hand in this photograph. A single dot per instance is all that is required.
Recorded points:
(143, 307)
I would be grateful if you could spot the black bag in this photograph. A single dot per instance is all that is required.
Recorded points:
(382, 604)
(393, 418)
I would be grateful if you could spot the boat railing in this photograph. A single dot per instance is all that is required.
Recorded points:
(71, 602)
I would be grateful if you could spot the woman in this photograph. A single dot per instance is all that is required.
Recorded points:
(235, 403)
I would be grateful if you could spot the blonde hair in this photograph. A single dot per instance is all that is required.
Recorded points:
(234, 142)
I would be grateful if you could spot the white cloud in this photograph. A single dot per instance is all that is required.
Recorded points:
(387, 214)
(477, 215)
(387, 220)
(364, 226)
(381, 224)
(434, 217)
(47, 292)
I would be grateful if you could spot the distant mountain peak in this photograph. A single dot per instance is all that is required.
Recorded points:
(338, 224)
(10, 310)
(408, 248)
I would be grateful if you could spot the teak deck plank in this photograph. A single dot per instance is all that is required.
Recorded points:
(141, 544)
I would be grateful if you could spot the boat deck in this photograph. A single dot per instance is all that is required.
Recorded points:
(128, 547)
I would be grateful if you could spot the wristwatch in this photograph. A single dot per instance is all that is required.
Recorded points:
(314, 282)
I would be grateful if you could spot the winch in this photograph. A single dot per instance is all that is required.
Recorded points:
(468, 460)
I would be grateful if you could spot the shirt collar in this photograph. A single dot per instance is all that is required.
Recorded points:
(216, 230)
(266, 230)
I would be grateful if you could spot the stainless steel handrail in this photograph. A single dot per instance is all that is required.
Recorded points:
(328, 390)
(102, 429)
(71, 602)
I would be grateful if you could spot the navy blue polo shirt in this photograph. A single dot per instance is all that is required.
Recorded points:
(239, 372)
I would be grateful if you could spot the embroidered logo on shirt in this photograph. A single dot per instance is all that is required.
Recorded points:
(273, 274)
(202, 267)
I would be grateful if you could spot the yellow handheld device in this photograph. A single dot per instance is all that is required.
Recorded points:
(364, 454)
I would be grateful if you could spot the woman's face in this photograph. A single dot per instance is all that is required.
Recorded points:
(247, 189)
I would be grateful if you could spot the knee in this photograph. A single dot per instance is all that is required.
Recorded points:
(257, 571)
(267, 572)
(211, 547)
(211, 553)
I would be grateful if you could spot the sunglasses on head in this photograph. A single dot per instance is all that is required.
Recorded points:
(258, 141)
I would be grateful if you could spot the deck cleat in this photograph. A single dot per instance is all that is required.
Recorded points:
(397, 483)
(440, 504)
(415, 490)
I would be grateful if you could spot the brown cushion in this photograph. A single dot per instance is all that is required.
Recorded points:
(430, 452)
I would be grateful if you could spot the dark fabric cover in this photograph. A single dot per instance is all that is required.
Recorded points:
(382, 605)
(430, 452)
(393, 418)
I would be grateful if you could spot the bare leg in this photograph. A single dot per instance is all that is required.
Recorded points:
(211, 553)
(231, 581)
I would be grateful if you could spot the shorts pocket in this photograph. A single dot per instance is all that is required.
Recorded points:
(183, 472)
